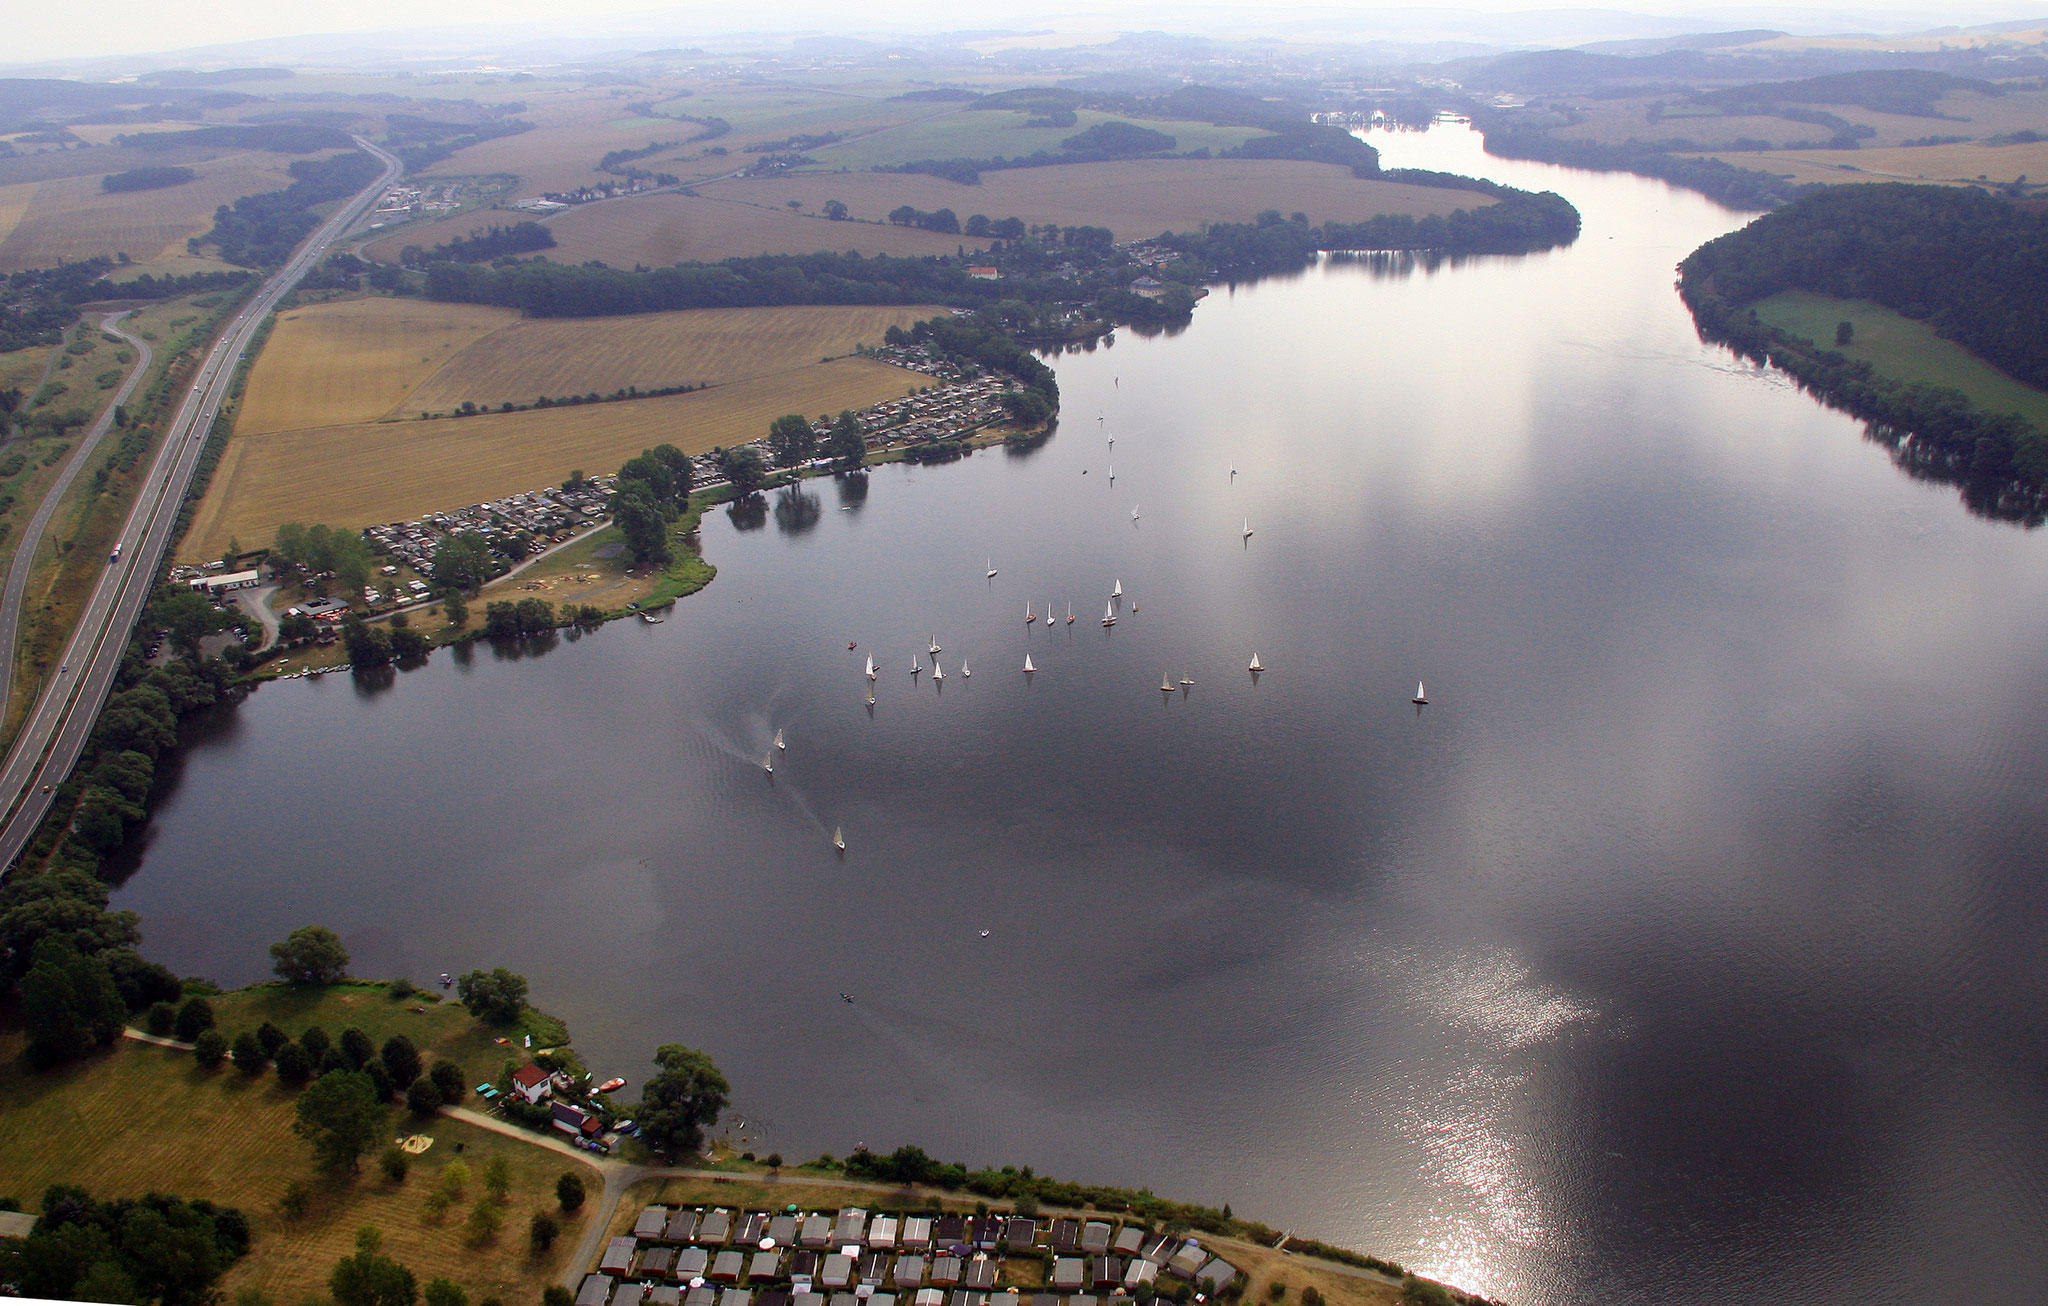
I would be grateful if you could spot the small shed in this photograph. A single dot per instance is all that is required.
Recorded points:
(1068, 1273)
(1184, 1263)
(1128, 1240)
(985, 1231)
(752, 1226)
(981, 1273)
(653, 1223)
(764, 1265)
(1105, 1272)
(1066, 1235)
(945, 1271)
(659, 1262)
(701, 1295)
(716, 1228)
(882, 1233)
(928, 1297)
(949, 1229)
(596, 1291)
(853, 1223)
(665, 1294)
(1140, 1272)
(736, 1297)
(836, 1272)
(1095, 1237)
(682, 1226)
(804, 1264)
(1159, 1247)
(917, 1232)
(871, 1266)
(629, 1294)
(909, 1271)
(782, 1228)
(967, 1297)
(728, 1267)
(817, 1231)
(618, 1255)
(691, 1262)
(1019, 1233)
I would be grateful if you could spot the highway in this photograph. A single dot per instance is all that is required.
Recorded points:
(58, 726)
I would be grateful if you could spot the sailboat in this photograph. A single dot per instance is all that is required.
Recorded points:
(768, 762)
(991, 568)
(938, 672)
(963, 668)
(1185, 683)
(1233, 473)
(1255, 663)
(1028, 668)
(934, 647)
(1165, 685)
(1109, 614)
(1134, 512)
(1070, 612)
(914, 668)
(839, 838)
(779, 744)
(1247, 528)
(1421, 697)
(871, 666)
(1029, 615)
(1117, 591)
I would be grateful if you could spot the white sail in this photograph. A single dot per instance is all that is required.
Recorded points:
(991, 566)
(778, 741)
(1255, 663)
(914, 668)
(1070, 612)
(1134, 512)
(1029, 615)
(1027, 664)
(1421, 696)
(934, 648)
(1165, 683)
(938, 672)
(1109, 614)
(1247, 528)
(1117, 591)
(963, 668)
(768, 763)
(839, 838)
(871, 666)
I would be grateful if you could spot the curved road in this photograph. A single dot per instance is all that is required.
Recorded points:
(32, 536)
(56, 730)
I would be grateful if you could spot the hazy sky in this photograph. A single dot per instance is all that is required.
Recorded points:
(107, 27)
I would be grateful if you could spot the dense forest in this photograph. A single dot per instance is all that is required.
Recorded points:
(1973, 265)
(37, 304)
(482, 246)
(260, 230)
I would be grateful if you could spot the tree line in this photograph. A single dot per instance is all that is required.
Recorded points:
(1970, 263)
(38, 304)
(482, 246)
(260, 230)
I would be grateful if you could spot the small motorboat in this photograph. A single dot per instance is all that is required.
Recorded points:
(984, 934)
(611, 1085)
(850, 645)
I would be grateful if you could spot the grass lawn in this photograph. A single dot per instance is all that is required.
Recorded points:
(1904, 350)
(137, 1118)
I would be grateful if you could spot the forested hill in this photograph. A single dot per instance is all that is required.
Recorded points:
(1976, 266)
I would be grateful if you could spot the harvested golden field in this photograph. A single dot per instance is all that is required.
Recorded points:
(1135, 199)
(138, 1118)
(1966, 161)
(564, 156)
(71, 217)
(393, 471)
(559, 356)
(357, 360)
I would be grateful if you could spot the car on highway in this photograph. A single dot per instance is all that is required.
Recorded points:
(115, 556)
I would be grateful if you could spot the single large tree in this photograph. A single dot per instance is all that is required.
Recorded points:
(742, 469)
(846, 446)
(681, 1101)
(370, 1278)
(496, 995)
(310, 955)
(791, 439)
(340, 1116)
(189, 615)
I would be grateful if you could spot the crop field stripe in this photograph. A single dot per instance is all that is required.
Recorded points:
(357, 360)
(561, 356)
(14, 202)
(364, 474)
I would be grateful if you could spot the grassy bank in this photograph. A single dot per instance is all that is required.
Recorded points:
(1903, 349)
(137, 1118)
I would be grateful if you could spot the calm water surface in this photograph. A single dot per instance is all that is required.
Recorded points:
(1687, 944)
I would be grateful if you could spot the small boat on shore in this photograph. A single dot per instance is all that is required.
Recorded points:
(612, 1085)
(651, 619)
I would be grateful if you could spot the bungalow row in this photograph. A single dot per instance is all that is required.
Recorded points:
(603, 1290)
(851, 1249)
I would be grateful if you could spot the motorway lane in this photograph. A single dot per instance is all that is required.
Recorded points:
(32, 537)
(55, 733)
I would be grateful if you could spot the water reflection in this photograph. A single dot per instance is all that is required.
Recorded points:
(748, 514)
(797, 511)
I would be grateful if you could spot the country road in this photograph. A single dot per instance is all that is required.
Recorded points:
(15, 595)
(56, 730)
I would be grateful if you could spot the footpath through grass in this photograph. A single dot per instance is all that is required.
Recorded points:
(1903, 349)
(138, 1118)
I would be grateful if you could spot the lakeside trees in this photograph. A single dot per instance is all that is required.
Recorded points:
(682, 1100)
(497, 995)
(791, 439)
(651, 491)
(341, 1116)
(159, 1249)
(310, 955)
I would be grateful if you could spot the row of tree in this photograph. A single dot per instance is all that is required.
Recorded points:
(482, 246)
(261, 230)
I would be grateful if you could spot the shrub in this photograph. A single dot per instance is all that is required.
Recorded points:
(444, 1292)
(402, 1059)
(498, 1176)
(569, 1190)
(357, 1048)
(543, 1230)
(193, 1018)
(485, 1219)
(316, 1042)
(248, 1054)
(447, 1077)
(209, 1049)
(422, 1098)
(160, 1018)
(294, 1065)
(272, 1038)
(296, 1200)
(395, 1164)
(403, 987)
(557, 1295)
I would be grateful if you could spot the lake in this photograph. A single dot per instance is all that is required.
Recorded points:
(1687, 944)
